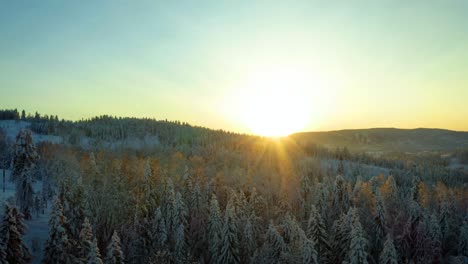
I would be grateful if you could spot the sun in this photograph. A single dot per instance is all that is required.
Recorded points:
(275, 101)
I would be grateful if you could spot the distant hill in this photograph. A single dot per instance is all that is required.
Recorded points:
(388, 139)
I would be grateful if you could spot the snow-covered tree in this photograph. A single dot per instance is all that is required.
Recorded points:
(229, 239)
(389, 253)
(85, 239)
(12, 229)
(357, 251)
(290, 229)
(435, 236)
(248, 244)
(24, 163)
(274, 246)
(180, 245)
(58, 246)
(114, 251)
(159, 230)
(94, 256)
(463, 240)
(316, 231)
(309, 253)
(341, 236)
(214, 230)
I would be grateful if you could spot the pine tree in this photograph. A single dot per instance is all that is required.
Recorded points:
(114, 251)
(12, 247)
(357, 250)
(214, 230)
(24, 162)
(389, 253)
(229, 239)
(316, 231)
(57, 248)
(94, 257)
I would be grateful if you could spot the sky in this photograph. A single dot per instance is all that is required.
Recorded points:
(212, 63)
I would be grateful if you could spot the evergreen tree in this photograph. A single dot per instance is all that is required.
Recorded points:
(24, 163)
(214, 230)
(159, 230)
(290, 229)
(248, 244)
(57, 248)
(12, 247)
(114, 251)
(463, 240)
(85, 239)
(435, 236)
(229, 239)
(341, 236)
(309, 253)
(316, 231)
(389, 253)
(357, 250)
(180, 247)
(94, 257)
(274, 246)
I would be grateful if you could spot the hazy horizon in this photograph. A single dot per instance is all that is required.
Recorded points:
(314, 66)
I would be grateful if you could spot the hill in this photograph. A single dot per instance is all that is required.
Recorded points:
(388, 139)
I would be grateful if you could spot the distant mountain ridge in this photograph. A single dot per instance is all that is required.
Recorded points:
(388, 139)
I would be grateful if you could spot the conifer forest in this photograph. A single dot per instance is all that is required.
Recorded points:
(126, 190)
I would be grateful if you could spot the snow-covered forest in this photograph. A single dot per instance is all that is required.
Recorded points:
(127, 190)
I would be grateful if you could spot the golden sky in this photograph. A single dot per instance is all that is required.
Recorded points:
(245, 66)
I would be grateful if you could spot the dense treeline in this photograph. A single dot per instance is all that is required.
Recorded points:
(203, 196)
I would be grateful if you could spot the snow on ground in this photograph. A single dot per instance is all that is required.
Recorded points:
(13, 127)
(38, 228)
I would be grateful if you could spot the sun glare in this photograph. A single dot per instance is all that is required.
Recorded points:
(275, 103)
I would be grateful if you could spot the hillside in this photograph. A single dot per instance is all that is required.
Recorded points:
(388, 139)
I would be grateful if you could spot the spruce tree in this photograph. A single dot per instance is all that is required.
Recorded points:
(274, 245)
(159, 230)
(249, 244)
(114, 251)
(85, 239)
(214, 230)
(341, 236)
(12, 247)
(357, 250)
(180, 245)
(309, 253)
(57, 248)
(463, 240)
(24, 163)
(316, 230)
(229, 239)
(389, 253)
(94, 257)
